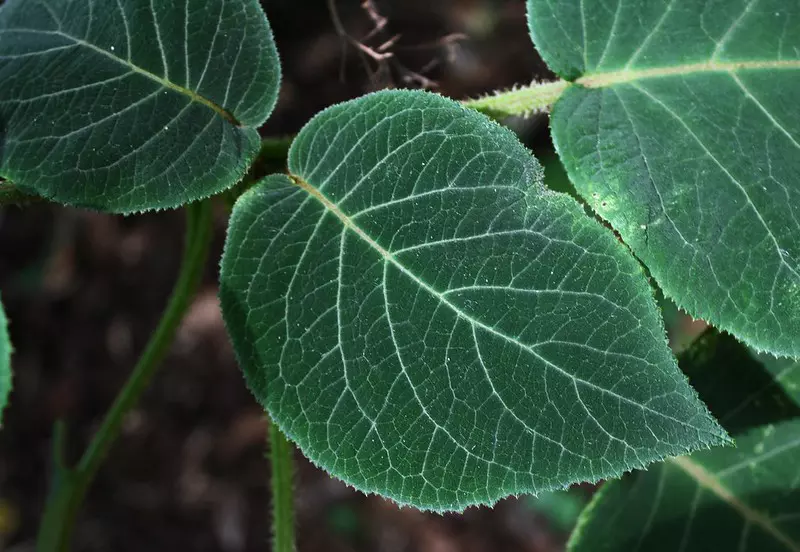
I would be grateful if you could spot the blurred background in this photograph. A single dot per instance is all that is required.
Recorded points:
(84, 290)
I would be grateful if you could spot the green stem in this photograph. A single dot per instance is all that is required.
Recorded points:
(281, 452)
(272, 157)
(275, 150)
(520, 101)
(70, 485)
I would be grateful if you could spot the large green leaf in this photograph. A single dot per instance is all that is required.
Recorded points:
(747, 498)
(126, 105)
(5, 363)
(428, 322)
(683, 132)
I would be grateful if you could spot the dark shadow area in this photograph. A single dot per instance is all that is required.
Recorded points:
(741, 392)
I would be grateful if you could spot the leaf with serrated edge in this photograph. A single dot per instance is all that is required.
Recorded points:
(123, 105)
(5, 363)
(428, 322)
(744, 499)
(683, 133)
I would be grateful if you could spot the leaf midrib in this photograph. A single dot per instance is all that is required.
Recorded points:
(606, 79)
(711, 482)
(191, 94)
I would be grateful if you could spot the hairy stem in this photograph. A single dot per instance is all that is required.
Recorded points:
(273, 157)
(280, 451)
(70, 484)
(521, 101)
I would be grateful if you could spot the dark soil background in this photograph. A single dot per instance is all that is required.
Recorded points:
(84, 290)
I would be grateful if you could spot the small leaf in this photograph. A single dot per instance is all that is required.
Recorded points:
(5, 363)
(682, 131)
(124, 105)
(428, 322)
(745, 498)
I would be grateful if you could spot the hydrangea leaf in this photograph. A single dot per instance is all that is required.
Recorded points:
(745, 498)
(682, 131)
(123, 106)
(5, 363)
(428, 322)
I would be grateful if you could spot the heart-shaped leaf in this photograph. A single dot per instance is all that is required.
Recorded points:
(430, 323)
(745, 498)
(5, 363)
(125, 105)
(682, 131)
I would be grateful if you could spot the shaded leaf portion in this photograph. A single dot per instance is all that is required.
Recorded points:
(743, 390)
(428, 322)
(747, 498)
(561, 508)
(5, 363)
(682, 132)
(122, 105)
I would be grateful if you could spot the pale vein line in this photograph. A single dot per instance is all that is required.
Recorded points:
(64, 91)
(744, 536)
(725, 37)
(93, 124)
(763, 109)
(687, 528)
(52, 13)
(460, 239)
(127, 30)
(585, 38)
(90, 19)
(655, 505)
(35, 53)
(754, 460)
(194, 96)
(602, 80)
(437, 191)
(707, 480)
(160, 43)
(186, 41)
(649, 37)
(233, 67)
(213, 44)
(610, 34)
